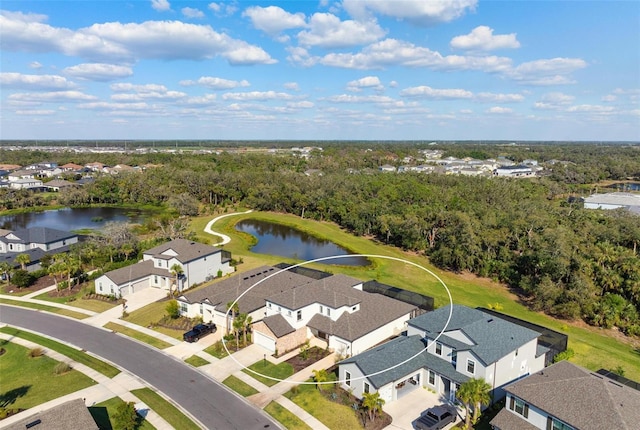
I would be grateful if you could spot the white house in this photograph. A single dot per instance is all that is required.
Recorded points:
(473, 344)
(34, 241)
(613, 201)
(564, 396)
(519, 171)
(287, 308)
(21, 184)
(199, 263)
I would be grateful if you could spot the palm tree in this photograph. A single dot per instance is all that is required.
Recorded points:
(72, 265)
(232, 310)
(23, 260)
(237, 327)
(320, 376)
(476, 392)
(56, 268)
(372, 403)
(246, 322)
(465, 395)
(176, 270)
(5, 269)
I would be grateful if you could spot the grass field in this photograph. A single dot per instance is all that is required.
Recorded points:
(331, 414)
(103, 412)
(135, 334)
(196, 361)
(78, 301)
(40, 307)
(594, 348)
(285, 417)
(279, 371)
(239, 386)
(151, 314)
(72, 353)
(30, 381)
(166, 410)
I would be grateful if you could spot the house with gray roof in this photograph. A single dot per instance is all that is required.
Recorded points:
(615, 200)
(441, 350)
(288, 308)
(565, 396)
(72, 414)
(199, 263)
(34, 241)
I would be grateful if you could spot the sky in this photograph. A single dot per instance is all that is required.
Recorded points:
(320, 70)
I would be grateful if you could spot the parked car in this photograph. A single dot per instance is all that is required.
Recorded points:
(199, 331)
(437, 418)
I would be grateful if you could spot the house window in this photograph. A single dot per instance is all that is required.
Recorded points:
(471, 366)
(112, 289)
(347, 378)
(155, 279)
(556, 424)
(321, 309)
(269, 305)
(288, 313)
(353, 309)
(279, 309)
(299, 315)
(432, 378)
(366, 388)
(516, 352)
(519, 407)
(201, 309)
(438, 348)
(328, 312)
(183, 308)
(100, 286)
(454, 358)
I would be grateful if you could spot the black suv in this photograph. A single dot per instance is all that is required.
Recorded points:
(199, 331)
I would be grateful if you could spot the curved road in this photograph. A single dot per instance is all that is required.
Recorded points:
(205, 399)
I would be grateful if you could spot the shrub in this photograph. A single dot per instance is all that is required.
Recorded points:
(61, 368)
(40, 273)
(125, 417)
(564, 355)
(173, 309)
(36, 352)
(22, 278)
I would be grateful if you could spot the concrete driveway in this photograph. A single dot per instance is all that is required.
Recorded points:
(408, 408)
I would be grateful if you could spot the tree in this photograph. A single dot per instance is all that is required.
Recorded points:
(71, 265)
(126, 417)
(23, 260)
(5, 269)
(22, 278)
(56, 269)
(476, 392)
(176, 270)
(173, 309)
(465, 395)
(372, 403)
(232, 310)
(320, 376)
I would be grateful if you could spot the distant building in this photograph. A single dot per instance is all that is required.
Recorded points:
(519, 171)
(613, 201)
(34, 241)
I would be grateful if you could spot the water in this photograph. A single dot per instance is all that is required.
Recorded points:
(69, 219)
(277, 239)
(625, 186)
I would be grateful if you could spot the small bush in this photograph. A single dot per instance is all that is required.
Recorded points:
(61, 368)
(173, 310)
(564, 355)
(36, 352)
(22, 278)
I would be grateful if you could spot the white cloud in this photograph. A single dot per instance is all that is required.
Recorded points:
(350, 98)
(100, 72)
(366, 82)
(273, 19)
(35, 82)
(207, 99)
(499, 110)
(257, 95)
(114, 106)
(327, 31)
(292, 86)
(591, 109)
(57, 96)
(38, 112)
(223, 9)
(215, 83)
(191, 12)
(609, 98)
(554, 71)
(553, 101)
(160, 5)
(23, 17)
(498, 98)
(127, 92)
(393, 52)
(114, 41)
(481, 38)
(305, 104)
(35, 65)
(438, 94)
(419, 12)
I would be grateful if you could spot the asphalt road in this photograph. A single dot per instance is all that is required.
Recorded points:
(204, 398)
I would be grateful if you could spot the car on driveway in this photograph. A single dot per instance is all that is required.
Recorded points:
(199, 331)
(437, 417)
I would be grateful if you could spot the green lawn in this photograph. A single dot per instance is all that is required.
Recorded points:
(333, 415)
(79, 301)
(285, 417)
(595, 348)
(196, 361)
(28, 382)
(135, 334)
(102, 413)
(151, 314)
(165, 409)
(239, 386)
(38, 306)
(72, 353)
(280, 371)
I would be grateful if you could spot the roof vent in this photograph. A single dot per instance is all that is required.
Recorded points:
(33, 423)
(490, 320)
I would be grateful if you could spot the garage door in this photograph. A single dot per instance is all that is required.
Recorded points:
(386, 393)
(264, 341)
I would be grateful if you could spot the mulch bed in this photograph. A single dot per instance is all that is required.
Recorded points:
(39, 284)
(338, 395)
(315, 354)
(181, 323)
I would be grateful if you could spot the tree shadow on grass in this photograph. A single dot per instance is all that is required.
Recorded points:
(9, 398)
(101, 417)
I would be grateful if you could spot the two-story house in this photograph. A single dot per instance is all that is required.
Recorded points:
(36, 242)
(199, 263)
(443, 349)
(565, 396)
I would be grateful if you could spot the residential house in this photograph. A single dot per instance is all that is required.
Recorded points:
(618, 200)
(34, 241)
(21, 174)
(443, 349)
(95, 166)
(387, 168)
(565, 396)
(199, 263)
(59, 184)
(518, 171)
(72, 414)
(288, 308)
(71, 167)
(25, 184)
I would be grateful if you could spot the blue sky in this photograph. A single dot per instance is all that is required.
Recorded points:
(350, 69)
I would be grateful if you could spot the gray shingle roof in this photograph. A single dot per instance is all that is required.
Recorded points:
(134, 272)
(69, 415)
(187, 250)
(383, 357)
(278, 325)
(506, 420)
(492, 337)
(39, 235)
(580, 398)
(334, 291)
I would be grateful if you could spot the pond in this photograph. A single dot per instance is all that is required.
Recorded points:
(70, 219)
(277, 239)
(625, 186)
